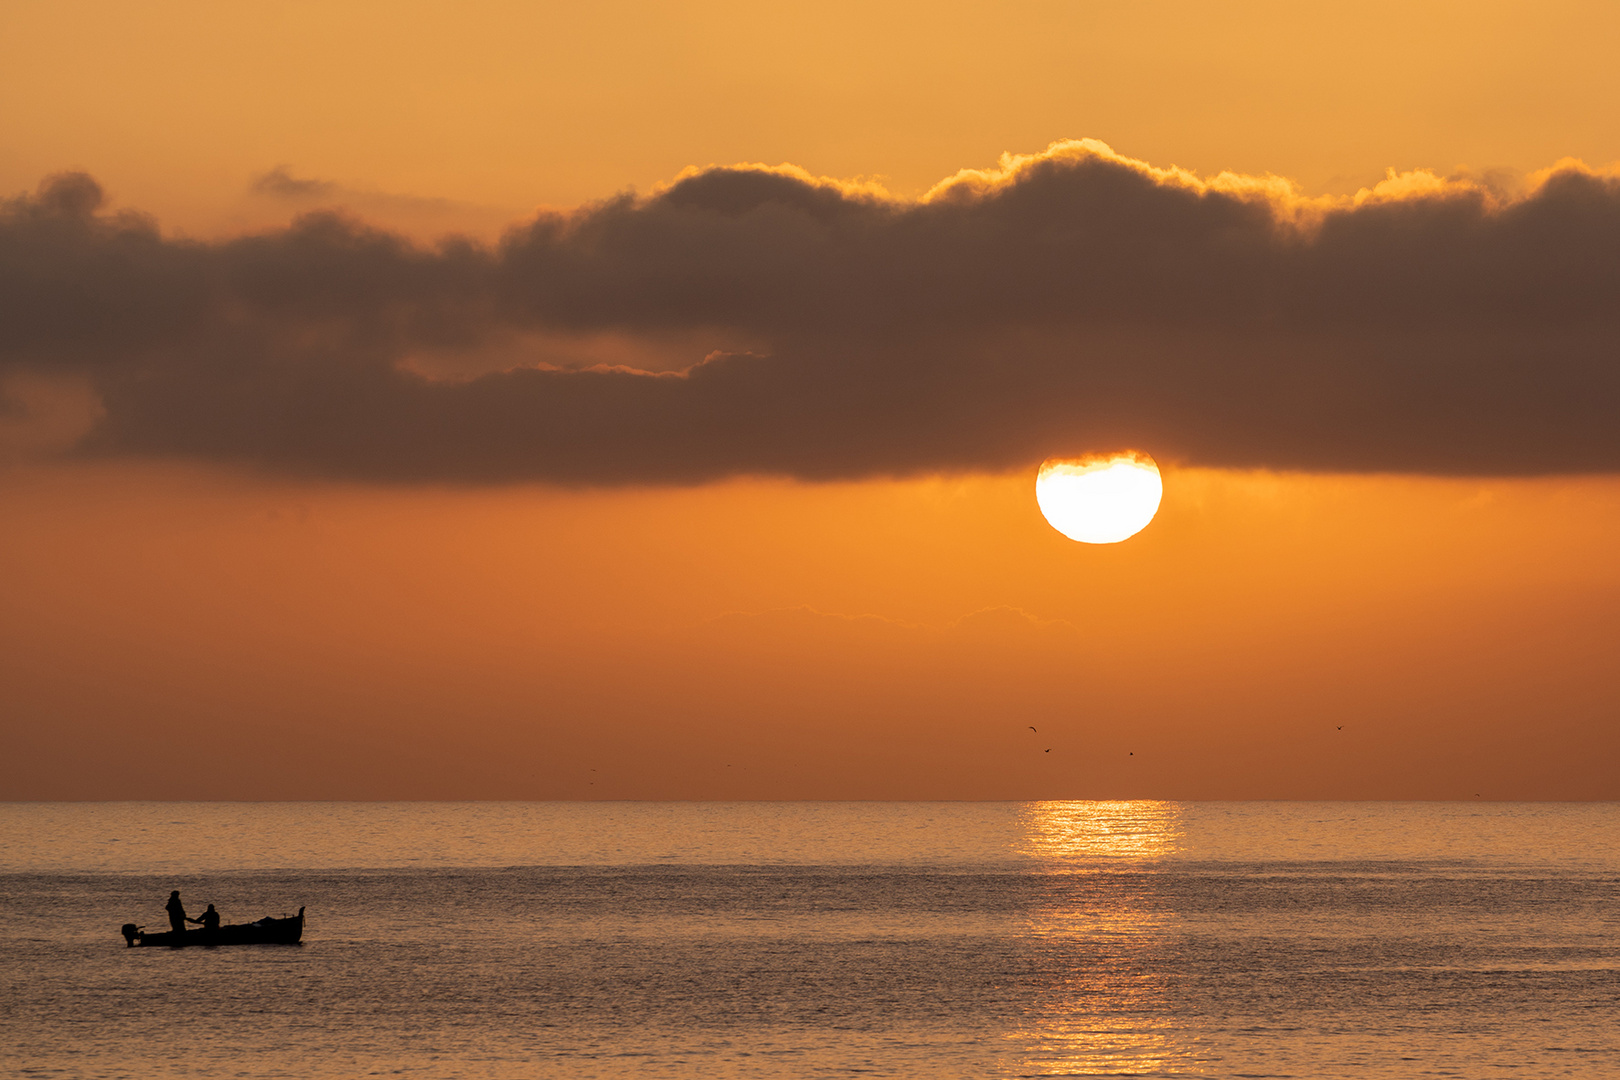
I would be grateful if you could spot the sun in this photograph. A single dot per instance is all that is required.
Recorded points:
(1101, 499)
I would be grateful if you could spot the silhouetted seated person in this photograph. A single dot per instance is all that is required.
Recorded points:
(209, 921)
(177, 913)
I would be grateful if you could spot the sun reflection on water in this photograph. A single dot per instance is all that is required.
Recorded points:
(1085, 832)
(1100, 1000)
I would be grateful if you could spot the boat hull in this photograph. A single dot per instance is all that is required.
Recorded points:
(267, 931)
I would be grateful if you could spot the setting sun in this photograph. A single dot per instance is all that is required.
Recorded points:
(1101, 499)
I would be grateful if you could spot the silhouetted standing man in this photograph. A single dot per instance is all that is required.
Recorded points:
(177, 913)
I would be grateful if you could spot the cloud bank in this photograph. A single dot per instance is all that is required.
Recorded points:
(1063, 302)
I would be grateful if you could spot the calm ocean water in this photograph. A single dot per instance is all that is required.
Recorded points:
(1312, 940)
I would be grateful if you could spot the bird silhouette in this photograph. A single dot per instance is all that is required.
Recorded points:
(1339, 728)
(1048, 749)
(1032, 727)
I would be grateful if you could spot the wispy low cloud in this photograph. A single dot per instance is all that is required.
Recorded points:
(1064, 301)
(280, 183)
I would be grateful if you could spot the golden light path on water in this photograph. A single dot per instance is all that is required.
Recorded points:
(1084, 832)
(1106, 1010)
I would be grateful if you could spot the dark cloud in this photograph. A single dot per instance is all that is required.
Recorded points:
(1073, 300)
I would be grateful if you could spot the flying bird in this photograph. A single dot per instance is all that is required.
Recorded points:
(1048, 749)
(1032, 727)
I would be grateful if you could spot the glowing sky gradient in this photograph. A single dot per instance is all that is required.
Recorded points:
(679, 478)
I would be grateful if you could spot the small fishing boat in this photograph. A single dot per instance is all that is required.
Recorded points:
(267, 931)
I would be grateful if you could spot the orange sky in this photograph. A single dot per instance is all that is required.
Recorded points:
(434, 116)
(186, 634)
(225, 626)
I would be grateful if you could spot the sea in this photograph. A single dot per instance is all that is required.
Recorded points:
(774, 940)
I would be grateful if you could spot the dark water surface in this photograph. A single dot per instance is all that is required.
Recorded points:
(1309, 940)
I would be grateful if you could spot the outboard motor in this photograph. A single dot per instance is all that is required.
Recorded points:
(130, 932)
